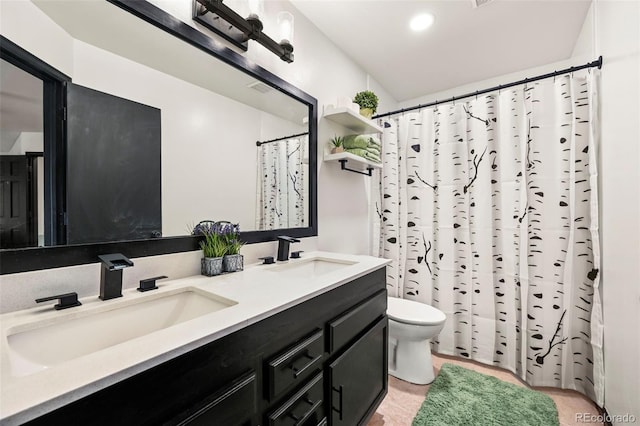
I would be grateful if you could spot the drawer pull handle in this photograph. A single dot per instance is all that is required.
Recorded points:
(339, 411)
(305, 416)
(298, 371)
(294, 417)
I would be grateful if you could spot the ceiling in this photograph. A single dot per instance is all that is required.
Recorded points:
(464, 45)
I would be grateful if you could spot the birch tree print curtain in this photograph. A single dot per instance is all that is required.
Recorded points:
(282, 184)
(488, 210)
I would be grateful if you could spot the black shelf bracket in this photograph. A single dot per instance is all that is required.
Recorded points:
(344, 167)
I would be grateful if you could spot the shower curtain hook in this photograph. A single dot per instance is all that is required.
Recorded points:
(476, 95)
(555, 73)
(453, 99)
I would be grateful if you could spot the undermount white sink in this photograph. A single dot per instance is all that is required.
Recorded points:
(311, 268)
(35, 347)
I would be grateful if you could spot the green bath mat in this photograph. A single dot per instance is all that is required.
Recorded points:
(463, 397)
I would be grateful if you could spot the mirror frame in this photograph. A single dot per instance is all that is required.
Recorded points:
(38, 258)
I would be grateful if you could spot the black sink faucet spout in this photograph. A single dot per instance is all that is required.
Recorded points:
(283, 247)
(111, 275)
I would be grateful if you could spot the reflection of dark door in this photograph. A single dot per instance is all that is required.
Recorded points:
(17, 192)
(113, 168)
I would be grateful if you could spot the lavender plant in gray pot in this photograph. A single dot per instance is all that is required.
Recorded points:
(213, 245)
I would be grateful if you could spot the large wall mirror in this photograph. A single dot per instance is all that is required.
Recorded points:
(162, 128)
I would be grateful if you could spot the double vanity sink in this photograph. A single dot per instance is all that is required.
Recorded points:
(50, 358)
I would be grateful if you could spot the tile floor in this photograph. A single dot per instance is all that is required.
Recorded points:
(404, 399)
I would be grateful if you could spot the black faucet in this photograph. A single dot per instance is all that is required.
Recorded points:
(111, 275)
(283, 247)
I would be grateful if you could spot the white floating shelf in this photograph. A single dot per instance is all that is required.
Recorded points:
(353, 160)
(351, 120)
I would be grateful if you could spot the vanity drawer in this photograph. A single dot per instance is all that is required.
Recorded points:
(234, 405)
(348, 325)
(305, 408)
(295, 364)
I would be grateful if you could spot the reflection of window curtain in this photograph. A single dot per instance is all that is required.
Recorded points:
(490, 213)
(282, 184)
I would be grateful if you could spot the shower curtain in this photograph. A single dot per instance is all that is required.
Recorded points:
(488, 209)
(282, 184)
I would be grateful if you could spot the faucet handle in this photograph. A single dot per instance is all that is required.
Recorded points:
(67, 300)
(268, 260)
(150, 283)
(296, 254)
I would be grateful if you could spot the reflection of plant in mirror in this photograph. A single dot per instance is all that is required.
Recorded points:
(231, 234)
(367, 99)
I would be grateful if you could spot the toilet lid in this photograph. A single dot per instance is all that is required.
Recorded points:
(411, 312)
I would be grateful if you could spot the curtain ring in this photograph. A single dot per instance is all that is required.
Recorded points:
(453, 99)
(476, 95)
(555, 73)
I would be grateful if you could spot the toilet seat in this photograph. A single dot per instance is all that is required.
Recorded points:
(411, 312)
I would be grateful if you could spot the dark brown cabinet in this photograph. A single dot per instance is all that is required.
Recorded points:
(321, 362)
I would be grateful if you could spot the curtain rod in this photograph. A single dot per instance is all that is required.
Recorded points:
(258, 143)
(596, 63)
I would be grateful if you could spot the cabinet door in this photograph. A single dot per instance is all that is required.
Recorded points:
(231, 406)
(358, 378)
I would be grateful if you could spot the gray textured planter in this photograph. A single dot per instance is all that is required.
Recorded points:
(211, 266)
(233, 262)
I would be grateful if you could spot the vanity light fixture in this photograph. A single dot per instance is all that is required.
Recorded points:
(222, 20)
(421, 22)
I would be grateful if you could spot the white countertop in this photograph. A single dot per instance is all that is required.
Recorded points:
(259, 293)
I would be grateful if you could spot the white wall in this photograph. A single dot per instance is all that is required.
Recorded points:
(320, 69)
(617, 29)
(26, 142)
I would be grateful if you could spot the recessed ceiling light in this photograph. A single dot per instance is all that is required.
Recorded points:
(421, 22)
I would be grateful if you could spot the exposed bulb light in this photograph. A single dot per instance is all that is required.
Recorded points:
(285, 24)
(221, 19)
(256, 8)
(421, 22)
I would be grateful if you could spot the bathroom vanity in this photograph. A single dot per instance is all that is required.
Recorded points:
(296, 343)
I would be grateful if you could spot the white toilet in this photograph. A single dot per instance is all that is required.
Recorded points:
(411, 325)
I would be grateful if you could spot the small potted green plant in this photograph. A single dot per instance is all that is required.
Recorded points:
(368, 102)
(232, 261)
(337, 142)
(213, 245)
